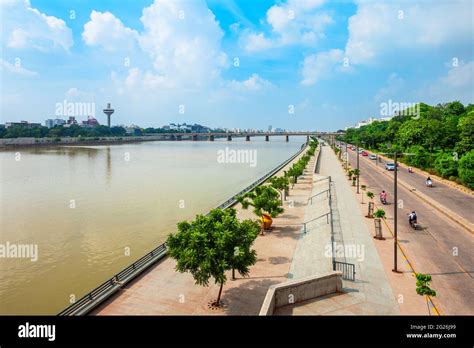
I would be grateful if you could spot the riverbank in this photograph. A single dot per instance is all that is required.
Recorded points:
(12, 143)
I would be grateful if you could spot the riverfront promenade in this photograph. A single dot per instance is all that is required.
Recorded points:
(162, 290)
(283, 254)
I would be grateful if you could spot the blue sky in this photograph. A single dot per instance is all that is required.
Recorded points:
(294, 64)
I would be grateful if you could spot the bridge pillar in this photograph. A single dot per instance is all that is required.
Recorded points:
(178, 137)
(287, 138)
(211, 138)
(307, 138)
(247, 138)
(229, 138)
(267, 138)
(195, 137)
(173, 137)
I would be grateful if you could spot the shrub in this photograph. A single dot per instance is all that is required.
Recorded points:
(446, 165)
(466, 169)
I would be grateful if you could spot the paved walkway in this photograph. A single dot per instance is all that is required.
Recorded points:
(371, 293)
(162, 290)
(310, 254)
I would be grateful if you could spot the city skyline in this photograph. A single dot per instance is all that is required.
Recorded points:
(296, 64)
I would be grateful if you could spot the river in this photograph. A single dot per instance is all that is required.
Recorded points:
(92, 210)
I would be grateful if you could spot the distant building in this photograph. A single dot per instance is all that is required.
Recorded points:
(50, 123)
(369, 121)
(71, 120)
(270, 128)
(24, 124)
(197, 128)
(279, 130)
(132, 129)
(91, 122)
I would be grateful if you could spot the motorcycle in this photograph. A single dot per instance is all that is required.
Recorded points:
(410, 170)
(413, 224)
(429, 183)
(383, 200)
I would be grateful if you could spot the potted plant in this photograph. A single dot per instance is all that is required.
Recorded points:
(266, 203)
(379, 215)
(350, 173)
(363, 188)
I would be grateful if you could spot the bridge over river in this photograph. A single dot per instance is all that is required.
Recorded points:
(330, 136)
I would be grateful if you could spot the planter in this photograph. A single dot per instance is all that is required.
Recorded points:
(378, 229)
(370, 210)
(267, 221)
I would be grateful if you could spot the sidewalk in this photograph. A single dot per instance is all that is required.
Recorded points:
(309, 258)
(371, 280)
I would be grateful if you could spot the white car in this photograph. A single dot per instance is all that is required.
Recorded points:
(372, 156)
(390, 166)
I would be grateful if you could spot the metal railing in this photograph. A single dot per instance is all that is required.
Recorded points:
(347, 269)
(231, 201)
(317, 218)
(310, 199)
(88, 302)
(108, 288)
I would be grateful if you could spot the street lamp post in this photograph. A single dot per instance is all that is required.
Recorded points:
(395, 214)
(358, 170)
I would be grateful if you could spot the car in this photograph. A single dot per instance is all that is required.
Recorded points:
(361, 150)
(365, 153)
(390, 166)
(372, 156)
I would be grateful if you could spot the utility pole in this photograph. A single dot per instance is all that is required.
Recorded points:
(395, 214)
(358, 170)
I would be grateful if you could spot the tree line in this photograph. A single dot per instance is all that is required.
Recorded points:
(438, 139)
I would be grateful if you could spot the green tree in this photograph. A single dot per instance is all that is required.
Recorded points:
(446, 165)
(264, 199)
(466, 134)
(213, 244)
(466, 169)
(280, 183)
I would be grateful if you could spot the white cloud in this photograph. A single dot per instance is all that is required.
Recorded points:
(320, 65)
(107, 31)
(75, 93)
(181, 38)
(293, 22)
(379, 29)
(460, 76)
(456, 84)
(253, 83)
(26, 27)
(16, 69)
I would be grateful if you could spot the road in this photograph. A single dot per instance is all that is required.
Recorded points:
(459, 202)
(441, 248)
